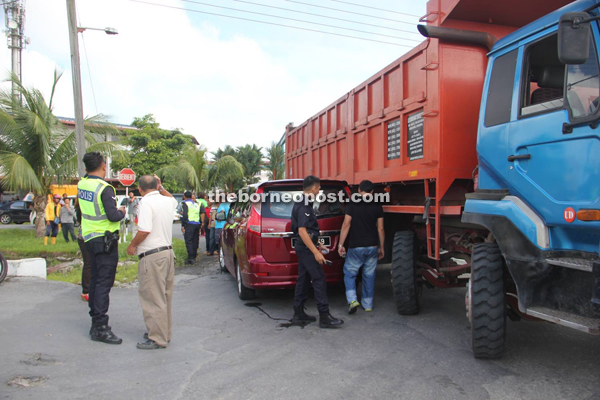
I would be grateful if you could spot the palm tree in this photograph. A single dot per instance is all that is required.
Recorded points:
(191, 169)
(35, 148)
(226, 172)
(276, 160)
(226, 151)
(250, 157)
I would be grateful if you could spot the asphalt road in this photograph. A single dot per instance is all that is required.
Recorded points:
(224, 349)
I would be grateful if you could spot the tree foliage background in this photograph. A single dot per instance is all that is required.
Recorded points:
(152, 149)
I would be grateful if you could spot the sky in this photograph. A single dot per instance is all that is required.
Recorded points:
(226, 81)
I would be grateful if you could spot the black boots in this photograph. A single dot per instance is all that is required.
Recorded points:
(300, 317)
(326, 320)
(103, 333)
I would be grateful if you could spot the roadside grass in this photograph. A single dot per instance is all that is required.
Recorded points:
(18, 243)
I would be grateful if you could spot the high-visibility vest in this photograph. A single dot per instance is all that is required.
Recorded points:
(94, 221)
(193, 211)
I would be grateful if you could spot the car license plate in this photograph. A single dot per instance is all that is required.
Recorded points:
(324, 240)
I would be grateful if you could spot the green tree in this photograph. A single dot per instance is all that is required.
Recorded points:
(227, 173)
(36, 149)
(152, 149)
(276, 161)
(250, 157)
(191, 170)
(226, 151)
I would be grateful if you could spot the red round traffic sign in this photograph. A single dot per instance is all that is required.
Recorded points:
(126, 176)
(569, 214)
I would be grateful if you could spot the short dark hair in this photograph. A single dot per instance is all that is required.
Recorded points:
(201, 195)
(148, 182)
(187, 194)
(92, 161)
(310, 181)
(366, 186)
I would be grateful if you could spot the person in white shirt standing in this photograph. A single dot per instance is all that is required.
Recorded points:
(156, 270)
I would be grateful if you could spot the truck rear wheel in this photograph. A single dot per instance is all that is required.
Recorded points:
(487, 310)
(404, 273)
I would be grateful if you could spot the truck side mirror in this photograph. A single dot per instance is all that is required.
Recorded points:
(574, 38)
(220, 216)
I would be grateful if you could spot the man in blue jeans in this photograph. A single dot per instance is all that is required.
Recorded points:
(363, 226)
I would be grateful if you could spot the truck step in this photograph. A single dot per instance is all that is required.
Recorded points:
(573, 263)
(584, 324)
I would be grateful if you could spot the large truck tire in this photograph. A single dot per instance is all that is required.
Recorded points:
(487, 309)
(404, 273)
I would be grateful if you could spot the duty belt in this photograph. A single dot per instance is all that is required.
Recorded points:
(157, 250)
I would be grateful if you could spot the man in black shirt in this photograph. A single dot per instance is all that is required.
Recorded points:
(310, 259)
(363, 226)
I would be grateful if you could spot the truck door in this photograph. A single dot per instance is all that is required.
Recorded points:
(551, 168)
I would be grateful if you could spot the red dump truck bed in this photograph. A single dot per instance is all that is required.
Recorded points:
(417, 117)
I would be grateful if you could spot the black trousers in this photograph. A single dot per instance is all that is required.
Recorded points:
(104, 269)
(192, 240)
(310, 270)
(86, 271)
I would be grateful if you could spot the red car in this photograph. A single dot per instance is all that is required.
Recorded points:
(257, 244)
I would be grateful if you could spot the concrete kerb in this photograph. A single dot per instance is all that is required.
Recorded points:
(34, 267)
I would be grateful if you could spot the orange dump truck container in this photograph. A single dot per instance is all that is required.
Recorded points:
(412, 127)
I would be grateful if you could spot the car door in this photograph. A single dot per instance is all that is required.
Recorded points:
(229, 231)
(19, 211)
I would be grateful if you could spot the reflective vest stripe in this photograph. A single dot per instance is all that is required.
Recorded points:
(99, 216)
(91, 236)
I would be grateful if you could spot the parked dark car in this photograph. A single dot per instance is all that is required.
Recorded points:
(17, 212)
(257, 244)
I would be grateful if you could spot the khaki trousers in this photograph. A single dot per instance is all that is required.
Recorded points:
(156, 274)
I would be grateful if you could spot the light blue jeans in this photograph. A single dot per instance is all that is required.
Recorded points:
(357, 257)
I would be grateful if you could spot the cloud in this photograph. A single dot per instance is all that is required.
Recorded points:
(207, 78)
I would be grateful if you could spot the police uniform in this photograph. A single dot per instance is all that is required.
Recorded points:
(99, 214)
(191, 222)
(303, 216)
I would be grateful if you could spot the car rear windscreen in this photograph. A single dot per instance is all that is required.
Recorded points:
(275, 207)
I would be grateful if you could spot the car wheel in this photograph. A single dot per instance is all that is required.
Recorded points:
(243, 292)
(486, 307)
(5, 219)
(404, 273)
(3, 267)
(222, 259)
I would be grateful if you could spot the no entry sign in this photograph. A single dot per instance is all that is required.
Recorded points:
(126, 177)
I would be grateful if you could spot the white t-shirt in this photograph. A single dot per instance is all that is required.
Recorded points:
(155, 215)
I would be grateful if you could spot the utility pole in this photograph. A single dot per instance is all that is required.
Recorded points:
(77, 98)
(14, 13)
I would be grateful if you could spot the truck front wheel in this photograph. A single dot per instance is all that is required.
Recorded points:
(485, 302)
(404, 273)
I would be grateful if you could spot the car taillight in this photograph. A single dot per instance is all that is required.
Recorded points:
(254, 220)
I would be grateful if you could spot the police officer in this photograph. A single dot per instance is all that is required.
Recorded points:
(192, 217)
(310, 258)
(100, 228)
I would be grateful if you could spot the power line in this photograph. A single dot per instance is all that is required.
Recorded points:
(375, 8)
(87, 61)
(298, 20)
(325, 16)
(270, 23)
(350, 12)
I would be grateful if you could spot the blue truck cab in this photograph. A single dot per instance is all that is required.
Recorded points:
(538, 193)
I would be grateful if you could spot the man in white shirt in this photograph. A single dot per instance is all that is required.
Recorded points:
(156, 270)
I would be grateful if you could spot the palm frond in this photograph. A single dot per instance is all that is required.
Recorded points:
(18, 174)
